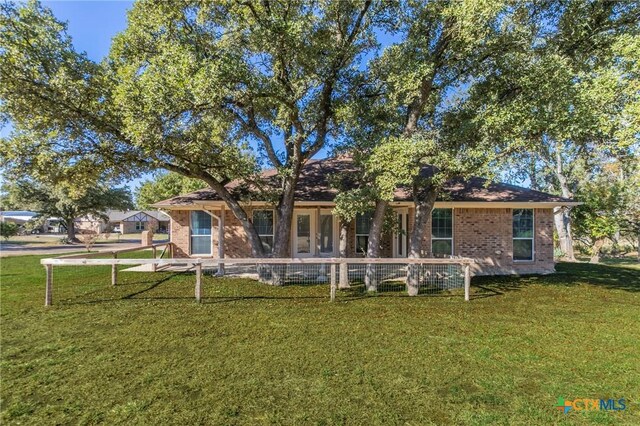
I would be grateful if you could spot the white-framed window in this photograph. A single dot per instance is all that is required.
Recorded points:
(363, 224)
(139, 226)
(442, 232)
(263, 221)
(201, 241)
(523, 233)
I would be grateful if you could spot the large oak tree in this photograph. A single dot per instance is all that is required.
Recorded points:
(211, 90)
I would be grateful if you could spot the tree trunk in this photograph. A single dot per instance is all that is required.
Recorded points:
(71, 230)
(257, 250)
(638, 252)
(424, 199)
(284, 216)
(562, 220)
(373, 246)
(596, 250)
(247, 225)
(344, 268)
(282, 232)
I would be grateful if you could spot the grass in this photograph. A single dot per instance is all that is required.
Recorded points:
(31, 240)
(113, 238)
(42, 240)
(145, 353)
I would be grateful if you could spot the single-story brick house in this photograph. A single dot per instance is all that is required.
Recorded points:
(506, 228)
(135, 221)
(126, 222)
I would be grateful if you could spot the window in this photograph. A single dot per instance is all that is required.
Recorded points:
(200, 232)
(363, 223)
(442, 232)
(263, 222)
(523, 234)
(139, 226)
(400, 236)
(326, 233)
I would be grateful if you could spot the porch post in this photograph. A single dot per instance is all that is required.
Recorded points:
(333, 281)
(344, 268)
(221, 241)
(317, 232)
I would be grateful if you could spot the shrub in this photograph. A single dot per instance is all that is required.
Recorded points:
(88, 238)
(8, 230)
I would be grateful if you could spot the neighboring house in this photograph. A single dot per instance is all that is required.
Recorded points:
(126, 222)
(506, 228)
(21, 217)
(135, 221)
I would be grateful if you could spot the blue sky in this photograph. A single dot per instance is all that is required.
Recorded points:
(92, 25)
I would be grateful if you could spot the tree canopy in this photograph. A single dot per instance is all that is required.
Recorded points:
(66, 202)
(218, 90)
(163, 186)
(206, 90)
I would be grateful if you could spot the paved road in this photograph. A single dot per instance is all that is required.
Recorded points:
(9, 249)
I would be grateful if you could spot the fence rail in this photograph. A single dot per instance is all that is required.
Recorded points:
(407, 272)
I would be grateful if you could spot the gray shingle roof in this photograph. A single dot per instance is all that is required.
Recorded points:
(119, 215)
(317, 175)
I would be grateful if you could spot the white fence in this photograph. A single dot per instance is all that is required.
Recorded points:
(413, 276)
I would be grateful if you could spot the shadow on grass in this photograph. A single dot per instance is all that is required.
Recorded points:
(151, 285)
(166, 288)
(357, 291)
(567, 275)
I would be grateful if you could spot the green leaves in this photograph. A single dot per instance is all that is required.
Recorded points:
(8, 230)
(165, 186)
(606, 198)
(66, 201)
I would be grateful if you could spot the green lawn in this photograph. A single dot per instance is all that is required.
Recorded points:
(145, 353)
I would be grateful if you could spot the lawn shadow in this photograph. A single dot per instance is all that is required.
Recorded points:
(225, 299)
(567, 274)
(357, 291)
(152, 284)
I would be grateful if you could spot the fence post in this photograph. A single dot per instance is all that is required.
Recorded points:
(198, 281)
(114, 270)
(48, 293)
(333, 282)
(467, 281)
(153, 265)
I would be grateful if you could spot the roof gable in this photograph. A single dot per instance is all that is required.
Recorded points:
(136, 215)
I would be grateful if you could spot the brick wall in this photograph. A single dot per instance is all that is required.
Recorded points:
(91, 226)
(482, 234)
(180, 232)
(486, 235)
(236, 243)
(129, 227)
